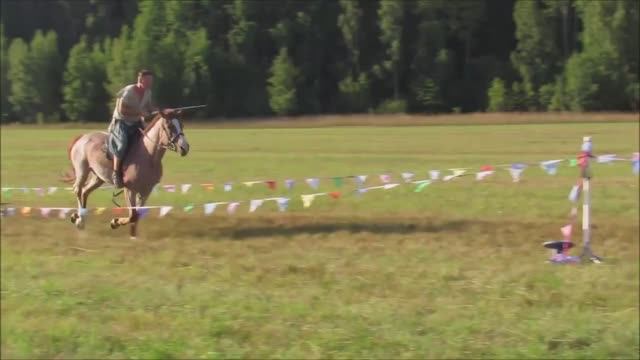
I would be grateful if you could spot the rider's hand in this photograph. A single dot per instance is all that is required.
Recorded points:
(166, 111)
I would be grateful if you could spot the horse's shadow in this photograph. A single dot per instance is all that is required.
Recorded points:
(379, 228)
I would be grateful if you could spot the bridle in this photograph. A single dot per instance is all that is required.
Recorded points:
(172, 142)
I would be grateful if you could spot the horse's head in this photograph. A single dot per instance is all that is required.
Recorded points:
(173, 132)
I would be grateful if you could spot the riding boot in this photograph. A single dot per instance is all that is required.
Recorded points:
(116, 177)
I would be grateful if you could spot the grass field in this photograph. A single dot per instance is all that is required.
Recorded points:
(455, 271)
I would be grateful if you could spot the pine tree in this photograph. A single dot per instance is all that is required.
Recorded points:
(46, 67)
(83, 90)
(282, 84)
(22, 94)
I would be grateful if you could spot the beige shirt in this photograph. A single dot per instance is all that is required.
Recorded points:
(131, 98)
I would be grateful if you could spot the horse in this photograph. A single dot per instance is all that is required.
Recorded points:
(142, 166)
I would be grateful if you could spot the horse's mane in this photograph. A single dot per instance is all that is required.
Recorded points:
(152, 123)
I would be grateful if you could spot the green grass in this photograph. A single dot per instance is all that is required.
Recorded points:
(455, 271)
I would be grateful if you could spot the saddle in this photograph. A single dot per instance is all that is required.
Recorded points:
(133, 139)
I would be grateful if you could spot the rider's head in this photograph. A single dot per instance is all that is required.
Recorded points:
(145, 79)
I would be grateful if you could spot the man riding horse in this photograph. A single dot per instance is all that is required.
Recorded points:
(133, 104)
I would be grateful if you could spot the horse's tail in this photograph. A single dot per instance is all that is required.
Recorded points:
(70, 175)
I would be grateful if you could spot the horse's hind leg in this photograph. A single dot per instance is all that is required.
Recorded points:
(81, 168)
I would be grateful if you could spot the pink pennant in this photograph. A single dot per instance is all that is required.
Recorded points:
(566, 232)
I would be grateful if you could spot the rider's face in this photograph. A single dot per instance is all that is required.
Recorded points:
(145, 81)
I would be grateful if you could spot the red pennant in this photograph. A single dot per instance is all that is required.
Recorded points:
(335, 194)
(118, 211)
(271, 184)
(486, 168)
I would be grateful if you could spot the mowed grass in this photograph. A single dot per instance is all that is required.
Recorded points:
(454, 271)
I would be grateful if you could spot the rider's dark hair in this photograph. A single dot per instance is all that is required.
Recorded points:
(145, 72)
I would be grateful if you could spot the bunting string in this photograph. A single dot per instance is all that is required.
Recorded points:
(515, 170)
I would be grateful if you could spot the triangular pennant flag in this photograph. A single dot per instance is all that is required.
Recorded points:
(169, 188)
(335, 194)
(313, 182)
(100, 210)
(486, 168)
(456, 173)
(566, 232)
(142, 212)
(52, 189)
(210, 208)
(289, 183)
(251, 183)
(208, 187)
(635, 167)
(118, 211)
(62, 212)
(550, 166)
(165, 210)
(390, 186)
(228, 186)
(188, 208)
(422, 185)
(361, 179)
(255, 204)
(434, 174)
(271, 184)
(573, 162)
(8, 211)
(39, 191)
(337, 181)
(185, 188)
(307, 200)
(283, 203)
(575, 193)
(606, 158)
(385, 178)
(516, 171)
(483, 174)
(231, 208)
(407, 176)
(45, 212)
(26, 211)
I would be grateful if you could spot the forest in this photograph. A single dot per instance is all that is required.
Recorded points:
(64, 60)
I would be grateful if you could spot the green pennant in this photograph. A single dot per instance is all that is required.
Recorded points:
(188, 208)
(337, 181)
(573, 162)
(421, 186)
(6, 193)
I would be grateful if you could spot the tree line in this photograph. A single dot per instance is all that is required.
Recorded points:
(64, 60)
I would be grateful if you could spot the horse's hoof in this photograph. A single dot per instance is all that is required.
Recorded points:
(114, 224)
(73, 218)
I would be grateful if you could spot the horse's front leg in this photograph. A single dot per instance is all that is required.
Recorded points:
(133, 227)
(130, 198)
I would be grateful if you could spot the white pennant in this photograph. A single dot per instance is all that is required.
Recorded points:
(361, 179)
(52, 189)
(63, 212)
(164, 210)
(407, 176)
(574, 194)
(607, 158)
(283, 203)
(210, 208)
(228, 186)
(185, 188)
(255, 204)
(289, 184)
(434, 174)
(231, 208)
